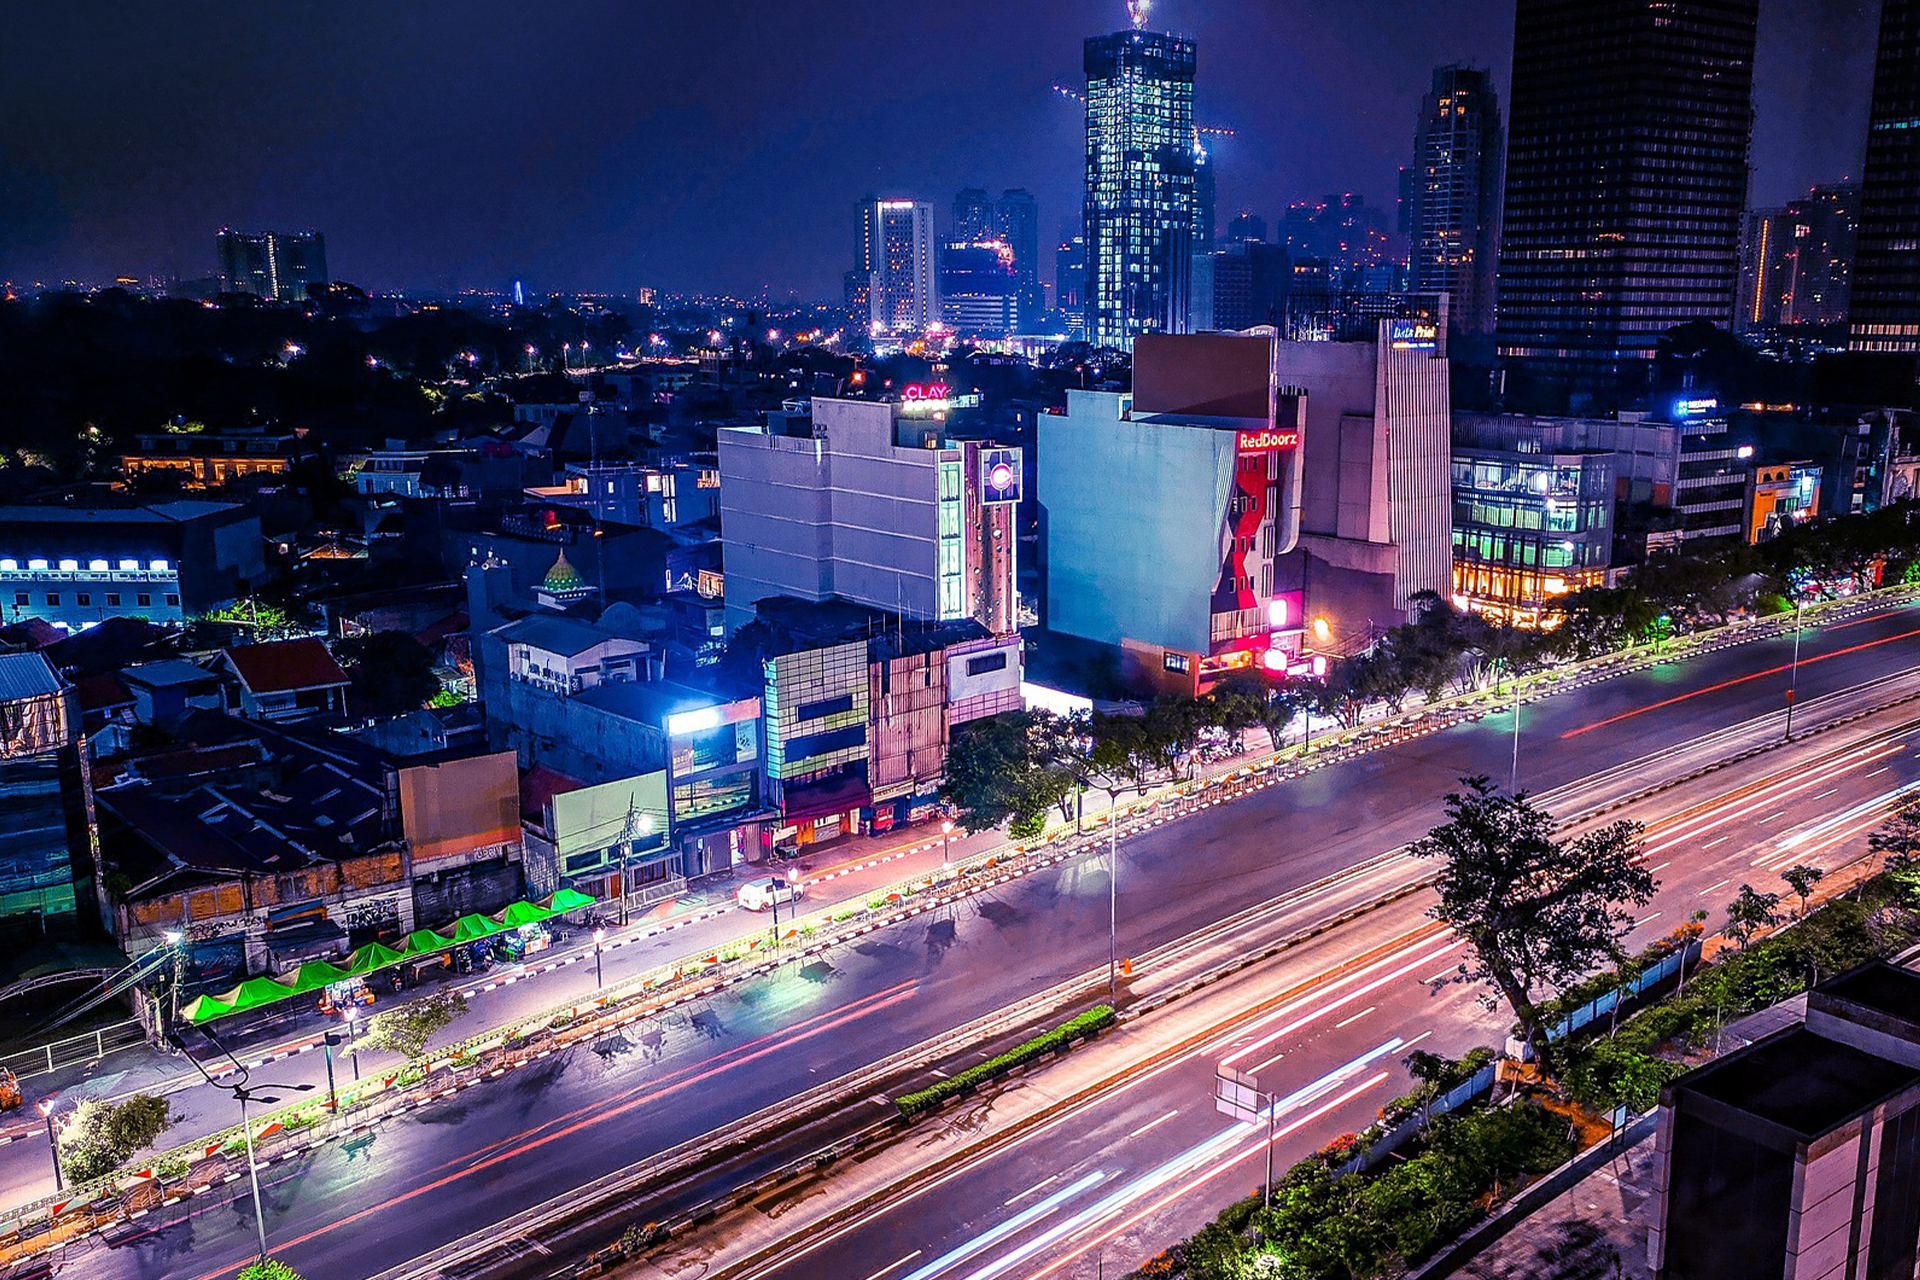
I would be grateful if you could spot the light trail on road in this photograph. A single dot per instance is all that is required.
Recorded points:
(1737, 681)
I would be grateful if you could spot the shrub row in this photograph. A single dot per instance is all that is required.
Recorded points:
(1328, 1227)
(1629, 1067)
(1095, 1019)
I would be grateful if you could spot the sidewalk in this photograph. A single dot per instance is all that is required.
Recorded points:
(706, 916)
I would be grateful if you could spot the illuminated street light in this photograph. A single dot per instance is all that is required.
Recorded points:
(599, 979)
(946, 831)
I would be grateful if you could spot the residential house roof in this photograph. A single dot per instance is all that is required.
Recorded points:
(554, 633)
(282, 666)
(26, 675)
(166, 673)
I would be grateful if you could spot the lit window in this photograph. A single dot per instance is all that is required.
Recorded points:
(130, 566)
(9, 565)
(69, 566)
(36, 564)
(96, 566)
(161, 566)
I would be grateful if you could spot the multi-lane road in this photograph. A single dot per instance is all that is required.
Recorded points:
(353, 1209)
(1141, 1164)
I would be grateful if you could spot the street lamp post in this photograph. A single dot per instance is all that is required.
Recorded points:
(1793, 673)
(353, 1046)
(1113, 903)
(243, 1093)
(1513, 776)
(53, 1145)
(946, 833)
(637, 824)
(327, 1042)
(599, 978)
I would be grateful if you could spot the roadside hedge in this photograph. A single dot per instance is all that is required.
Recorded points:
(1098, 1018)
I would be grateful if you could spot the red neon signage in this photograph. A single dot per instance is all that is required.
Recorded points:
(926, 391)
(1267, 441)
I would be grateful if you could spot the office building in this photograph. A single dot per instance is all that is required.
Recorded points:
(1070, 284)
(980, 292)
(1798, 1155)
(275, 265)
(1626, 180)
(1884, 314)
(895, 253)
(165, 562)
(1245, 284)
(1166, 511)
(973, 215)
(1795, 261)
(1016, 224)
(1205, 197)
(1375, 494)
(1529, 525)
(1453, 216)
(1246, 226)
(871, 501)
(1140, 192)
(47, 841)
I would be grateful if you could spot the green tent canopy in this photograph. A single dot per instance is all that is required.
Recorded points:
(566, 900)
(205, 1009)
(372, 956)
(313, 976)
(255, 992)
(473, 927)
(423, 941)
(523, 913)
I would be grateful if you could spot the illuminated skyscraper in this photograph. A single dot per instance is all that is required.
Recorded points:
(1454, 196)
(1140, 192)
(277, 265)
(973, 215)
(1626, 181)
(1016, 221)
(1884, 310)
(894, 251)
(1795, 261)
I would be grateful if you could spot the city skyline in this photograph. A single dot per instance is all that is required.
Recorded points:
(439, 156)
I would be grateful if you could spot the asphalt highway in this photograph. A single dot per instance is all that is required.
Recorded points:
(1140, 1167)
(352, 1209)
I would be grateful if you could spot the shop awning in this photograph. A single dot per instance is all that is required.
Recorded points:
(836, 795)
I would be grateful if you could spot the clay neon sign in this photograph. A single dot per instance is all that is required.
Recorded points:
(925, 397)
(1266, 441)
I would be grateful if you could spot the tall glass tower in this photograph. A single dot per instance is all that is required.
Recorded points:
(1884, 310)
(1626, 183)
(1140, 184)
(1454, 213)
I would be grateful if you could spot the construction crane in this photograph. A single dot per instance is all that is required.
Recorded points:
(1074, 95)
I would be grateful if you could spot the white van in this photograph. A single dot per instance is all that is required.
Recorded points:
(763, 895)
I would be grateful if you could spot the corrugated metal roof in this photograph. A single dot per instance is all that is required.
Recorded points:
(26, 675)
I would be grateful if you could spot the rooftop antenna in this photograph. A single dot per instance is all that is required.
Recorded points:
(1137, 10)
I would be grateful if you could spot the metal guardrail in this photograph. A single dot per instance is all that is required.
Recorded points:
(74, 1050)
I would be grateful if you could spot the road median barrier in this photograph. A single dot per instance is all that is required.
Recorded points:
(1078, 1029)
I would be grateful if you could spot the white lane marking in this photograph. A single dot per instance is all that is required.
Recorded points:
(1447, 972)
(1877, 772)
(1715, 843)
(1356, 1017)
(1029, 1191)
(895, 1266)
(1153, 1124)
(1417, 1039)
(1663, 866)
(1830, 791)
(1773, 817)
(1655, 916)
(1710, 888)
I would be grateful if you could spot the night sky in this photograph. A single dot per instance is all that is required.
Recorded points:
(706, 146)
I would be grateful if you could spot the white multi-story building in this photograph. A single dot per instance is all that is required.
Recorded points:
(870, 501)
(896, 253)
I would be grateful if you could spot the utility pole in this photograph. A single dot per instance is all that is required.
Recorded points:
(1113, 903)
(1513, 776)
